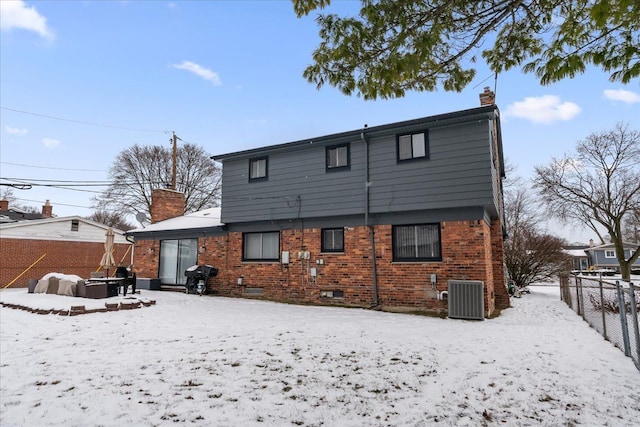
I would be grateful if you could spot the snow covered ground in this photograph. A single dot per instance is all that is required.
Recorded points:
(231, 362)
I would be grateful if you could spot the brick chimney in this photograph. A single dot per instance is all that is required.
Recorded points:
(487, 97)
(166, 204)
(47, 210)
(4, 205)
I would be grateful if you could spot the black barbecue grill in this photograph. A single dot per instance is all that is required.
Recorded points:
(197, 276)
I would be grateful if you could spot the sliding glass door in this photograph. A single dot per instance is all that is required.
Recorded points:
(175, 257)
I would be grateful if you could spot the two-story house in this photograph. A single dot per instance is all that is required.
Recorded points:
(378, 216)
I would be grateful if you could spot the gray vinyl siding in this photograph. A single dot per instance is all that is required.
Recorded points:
(457, 174)
(599, 259)
(298, 186)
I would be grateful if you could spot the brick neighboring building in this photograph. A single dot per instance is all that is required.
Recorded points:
(362, 218)
(71, 245)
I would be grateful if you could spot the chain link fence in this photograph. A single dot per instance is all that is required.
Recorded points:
(610, 306)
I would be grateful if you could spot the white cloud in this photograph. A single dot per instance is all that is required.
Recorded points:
(543, 109)
(622, 95)
(16, 14)
(15, 131)
(50, 142)
(199, 71)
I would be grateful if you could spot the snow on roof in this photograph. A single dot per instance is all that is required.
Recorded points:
(204, 218)
(626, 245)
(575, 252)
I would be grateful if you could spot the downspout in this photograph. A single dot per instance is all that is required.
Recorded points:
(376, 301)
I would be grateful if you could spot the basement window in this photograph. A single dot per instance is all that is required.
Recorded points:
(75, 224)
(332, 294)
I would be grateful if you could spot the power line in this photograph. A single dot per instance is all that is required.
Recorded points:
(47, 167)
(54, 203)
(81, 122)
(62, 187)
(82, 183)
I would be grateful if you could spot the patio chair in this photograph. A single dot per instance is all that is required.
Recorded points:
(129, 279)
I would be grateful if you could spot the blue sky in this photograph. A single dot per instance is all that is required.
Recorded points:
(227, 75)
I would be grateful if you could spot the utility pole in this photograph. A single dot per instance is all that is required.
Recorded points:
(175, 159)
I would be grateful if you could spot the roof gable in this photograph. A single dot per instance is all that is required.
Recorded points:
(60, 228)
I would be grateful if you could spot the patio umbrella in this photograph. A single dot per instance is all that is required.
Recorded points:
(107, 259)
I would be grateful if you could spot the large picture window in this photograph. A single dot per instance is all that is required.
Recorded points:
(258, 169)
(417, 242)
(413, 146)
(338, 157)
(261, 246)
(333, 240)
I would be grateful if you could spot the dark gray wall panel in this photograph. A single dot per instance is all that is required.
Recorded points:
(458, 174)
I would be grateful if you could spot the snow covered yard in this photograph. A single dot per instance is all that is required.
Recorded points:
(221, 362)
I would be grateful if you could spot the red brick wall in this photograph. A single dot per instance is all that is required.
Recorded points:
(467, 254)
(497, 242)
(80, 258)
(146, 258)
(166, 204)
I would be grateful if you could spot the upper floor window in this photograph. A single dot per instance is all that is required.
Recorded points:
(338, 157)
(75, 225)
(609, 254)
(261, 246)
(416, 242)
(333, 240)
(413, 146)
(258, 168)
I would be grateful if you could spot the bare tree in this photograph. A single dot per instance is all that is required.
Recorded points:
(6, 193)
(529, 254)
(631, 230)
(599, 184)
(111, 219)
(138, 170)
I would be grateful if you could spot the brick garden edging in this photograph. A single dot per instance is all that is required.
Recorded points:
(80, 309)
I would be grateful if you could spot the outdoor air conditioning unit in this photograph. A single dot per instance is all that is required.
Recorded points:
(466, 299)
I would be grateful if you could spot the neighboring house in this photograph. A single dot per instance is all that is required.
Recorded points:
(13, 214)
(579, 257)
(70, 245)
(604, 256)
(382, 216)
